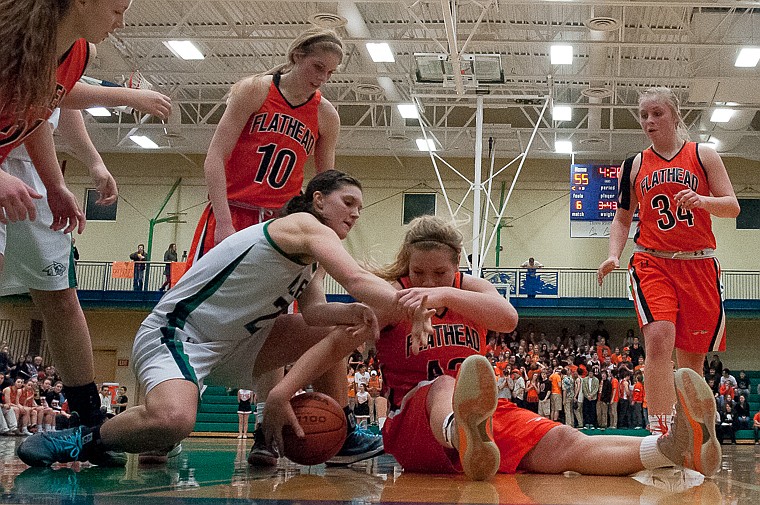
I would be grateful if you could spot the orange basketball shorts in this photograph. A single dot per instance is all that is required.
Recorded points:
(684, 292)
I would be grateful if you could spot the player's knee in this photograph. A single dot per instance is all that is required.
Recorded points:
(567, 442)
(175, 424)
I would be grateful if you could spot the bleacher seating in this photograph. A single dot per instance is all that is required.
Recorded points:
(217, 412)
(754, 402)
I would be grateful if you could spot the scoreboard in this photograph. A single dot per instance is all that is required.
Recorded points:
(593, 192)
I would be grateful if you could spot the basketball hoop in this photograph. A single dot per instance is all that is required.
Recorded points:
(137, 81)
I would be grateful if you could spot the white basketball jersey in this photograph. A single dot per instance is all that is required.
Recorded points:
(233, 292)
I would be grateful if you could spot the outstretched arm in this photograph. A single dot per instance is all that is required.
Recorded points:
(148, 101)
(72, 128)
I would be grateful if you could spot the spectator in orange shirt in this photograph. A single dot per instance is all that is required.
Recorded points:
(756, 427)
(640, 366)
(556, 396)
(615, 398)
(637, 400)
(351, 379)
(601, 347)
(374, 386)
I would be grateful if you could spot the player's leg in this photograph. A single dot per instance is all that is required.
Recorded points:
(659, 339)
(167, 417)
(474, 402)
(690, 442)
(71, 350)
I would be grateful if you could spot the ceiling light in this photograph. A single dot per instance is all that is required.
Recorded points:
(563, 146)
(426, 145)
(408, 111)
(562, 113)
(721, 115)
(380, 52)
(99, 112)
(748, 57)
(143, 141)
(184, 49)
(561, 55)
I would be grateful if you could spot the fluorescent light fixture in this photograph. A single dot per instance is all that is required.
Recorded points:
(748, 57)
(428, 145)
(99, 112)
(721, 115)
(184, 49)
(408, 111)
(380, 52)
(563, 146)
(561, 55)
(562, 113)
(143, 141)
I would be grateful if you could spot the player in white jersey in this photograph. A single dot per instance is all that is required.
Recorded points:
(216, 322)
(38, 259)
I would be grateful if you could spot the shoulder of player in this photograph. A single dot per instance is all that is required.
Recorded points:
(327, 111)
(299, 226)
(708, 156)
(251, 92)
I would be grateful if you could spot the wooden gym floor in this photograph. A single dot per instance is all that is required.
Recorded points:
(214, 470)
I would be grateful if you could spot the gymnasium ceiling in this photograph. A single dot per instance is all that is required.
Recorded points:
(620, 47)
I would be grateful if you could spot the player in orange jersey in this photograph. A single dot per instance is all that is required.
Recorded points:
(677, 186)
(272, 124)
(446, 417)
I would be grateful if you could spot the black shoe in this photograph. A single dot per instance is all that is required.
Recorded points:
(261, 455)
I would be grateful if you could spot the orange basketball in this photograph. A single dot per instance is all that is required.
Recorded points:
(324, 424)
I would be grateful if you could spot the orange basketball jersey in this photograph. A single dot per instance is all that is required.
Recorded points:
(454, 338)
(71, 67)
(265, 168)
(663, 226)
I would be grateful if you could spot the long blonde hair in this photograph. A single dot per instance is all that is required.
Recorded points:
(426, 233)
(308, 42)
(666, 95)
(28, 59)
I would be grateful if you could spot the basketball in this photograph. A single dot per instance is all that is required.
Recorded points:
(324, 424)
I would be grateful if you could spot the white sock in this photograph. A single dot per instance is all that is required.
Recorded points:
(260, 412)
(448, 430)
(49, 428)
(650, 454)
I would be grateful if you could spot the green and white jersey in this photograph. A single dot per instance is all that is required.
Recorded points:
(234, 291)
(215, 320)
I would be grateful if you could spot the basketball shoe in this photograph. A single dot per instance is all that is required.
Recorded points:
(73, 444)
(360, 444)
(474, 401)
(691, 442)
(261, 455)
(160, 456)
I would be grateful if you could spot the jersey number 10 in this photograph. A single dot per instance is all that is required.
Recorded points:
(276, 165)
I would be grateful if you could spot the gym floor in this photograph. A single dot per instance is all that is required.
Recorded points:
(214, 470)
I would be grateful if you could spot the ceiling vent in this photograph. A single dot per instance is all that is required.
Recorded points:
(602, 23)
(596, 92)
(327, 20)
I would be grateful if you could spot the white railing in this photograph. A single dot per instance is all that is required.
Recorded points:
(569, 282)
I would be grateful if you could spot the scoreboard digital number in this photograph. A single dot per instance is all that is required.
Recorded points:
(593, 192)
